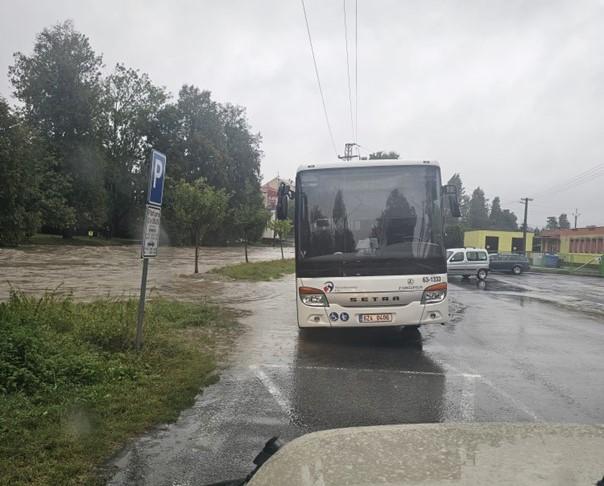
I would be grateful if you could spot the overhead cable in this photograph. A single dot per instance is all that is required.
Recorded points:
(577, 180)
(348, 72)
(314, 59)
(356, 73)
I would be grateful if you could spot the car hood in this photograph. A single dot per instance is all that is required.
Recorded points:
(440, 454)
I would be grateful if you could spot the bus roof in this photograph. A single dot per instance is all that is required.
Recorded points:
(365, 163)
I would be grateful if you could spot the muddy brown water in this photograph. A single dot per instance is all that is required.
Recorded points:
(89, 272)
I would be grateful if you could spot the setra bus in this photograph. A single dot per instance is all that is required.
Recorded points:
(369, 243)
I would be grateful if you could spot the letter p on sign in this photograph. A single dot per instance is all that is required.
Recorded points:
(156, 178)
(158, 172)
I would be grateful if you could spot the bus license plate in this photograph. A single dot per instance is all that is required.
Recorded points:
(375, 318)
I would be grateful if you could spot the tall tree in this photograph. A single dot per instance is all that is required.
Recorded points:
(496, 214)
(563, 222)
(33, 192)
(131, 104)
(204, 138)
(243, 151)
(478, 213)
(201, 144)
(59, 86)
(20, 215)
(509, 221)
(464, 199)
(454, 227)
(384, 155)
(552, 223)
(199, 208)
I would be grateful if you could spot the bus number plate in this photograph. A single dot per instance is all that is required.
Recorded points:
(375, 318)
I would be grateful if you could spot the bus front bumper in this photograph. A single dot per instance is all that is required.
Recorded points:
(412, 314)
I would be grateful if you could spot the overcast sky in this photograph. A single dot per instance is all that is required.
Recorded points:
(510, 94)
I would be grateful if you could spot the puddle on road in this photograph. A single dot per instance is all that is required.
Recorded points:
(524, 294)
(490, 284)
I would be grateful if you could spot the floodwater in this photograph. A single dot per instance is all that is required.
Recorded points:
(89, 272)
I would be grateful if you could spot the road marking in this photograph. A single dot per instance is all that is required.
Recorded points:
(468, 398)
(372, 370)
(518, 404)
(468, 393)
(272, 388)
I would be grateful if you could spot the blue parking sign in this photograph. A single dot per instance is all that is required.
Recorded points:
(156, 178)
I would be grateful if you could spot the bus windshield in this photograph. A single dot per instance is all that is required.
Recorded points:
(358, 221)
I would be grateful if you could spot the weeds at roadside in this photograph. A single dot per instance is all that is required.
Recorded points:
(72, 388)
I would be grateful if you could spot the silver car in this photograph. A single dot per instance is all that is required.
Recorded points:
(467, 262)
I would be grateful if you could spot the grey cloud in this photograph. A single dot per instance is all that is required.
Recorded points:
(508, 93)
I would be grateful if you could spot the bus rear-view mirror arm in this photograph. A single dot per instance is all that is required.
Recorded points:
(450, 191)
(284, 194)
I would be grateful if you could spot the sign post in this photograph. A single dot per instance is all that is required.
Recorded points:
(155, 194)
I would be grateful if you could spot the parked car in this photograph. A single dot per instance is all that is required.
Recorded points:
(467, 262)
(508, 262)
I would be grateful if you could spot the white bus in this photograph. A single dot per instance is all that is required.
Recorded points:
(369, 243)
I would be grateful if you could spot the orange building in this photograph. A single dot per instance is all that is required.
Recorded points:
(579, 245)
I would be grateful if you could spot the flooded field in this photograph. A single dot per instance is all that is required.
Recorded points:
(88, 272)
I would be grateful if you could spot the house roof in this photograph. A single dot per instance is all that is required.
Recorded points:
(588, 231)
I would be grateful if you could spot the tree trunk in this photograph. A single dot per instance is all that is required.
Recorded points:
(196, 254)
(281, 245)
(245, 247)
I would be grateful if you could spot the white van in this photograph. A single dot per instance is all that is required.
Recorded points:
(467, 262)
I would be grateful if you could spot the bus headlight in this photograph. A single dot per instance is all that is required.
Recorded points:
(434, 293)
(312, 297)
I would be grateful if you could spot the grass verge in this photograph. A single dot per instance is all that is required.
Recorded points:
(72, 389)
(58, 240)
(584, 272)
(257, 271)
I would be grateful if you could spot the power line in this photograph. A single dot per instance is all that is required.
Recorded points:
(314, 60)
(575, 181)
(356, 74)
(578, 179)
(348, 71)
(585, 180)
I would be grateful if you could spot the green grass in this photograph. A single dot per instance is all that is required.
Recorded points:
(257, 271)
(72, 389)
(58, 240)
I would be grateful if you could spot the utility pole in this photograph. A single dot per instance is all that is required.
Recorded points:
(348, 152)
(525, 201)
(576, 214)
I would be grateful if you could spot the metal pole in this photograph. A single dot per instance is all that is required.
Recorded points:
(576, 214)
(525, 200)
(141, 306)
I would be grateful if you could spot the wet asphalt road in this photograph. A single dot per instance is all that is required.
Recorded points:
(519, 349)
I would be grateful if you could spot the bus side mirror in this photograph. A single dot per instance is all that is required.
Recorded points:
(450, 191)
(282, 201)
